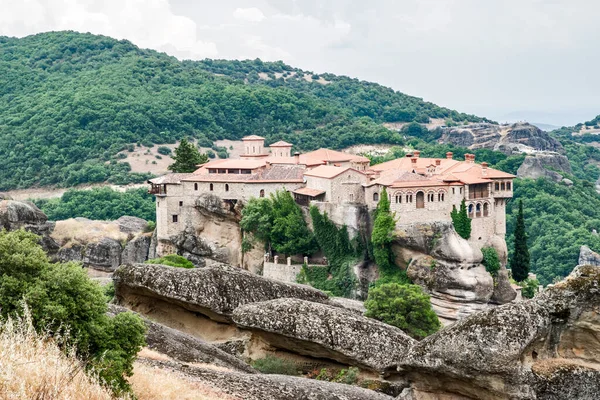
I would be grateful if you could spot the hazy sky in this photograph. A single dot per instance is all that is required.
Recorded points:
(504, 59)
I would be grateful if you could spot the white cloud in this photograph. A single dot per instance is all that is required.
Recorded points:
(147, 23)
(252, 14)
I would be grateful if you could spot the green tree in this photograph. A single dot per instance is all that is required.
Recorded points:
(519, 263)
(383, 235)
(403, 306)
(491, 260)
(461, 220)
(187, 157)
(62, 297)
(529, 288)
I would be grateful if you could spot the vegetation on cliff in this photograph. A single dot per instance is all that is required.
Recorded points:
(70, 102)
(65, 304)
(461, 220)
(403, 306)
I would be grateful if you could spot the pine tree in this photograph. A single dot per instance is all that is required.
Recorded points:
(187, 157)
(383, 234)
(461, 220)
(519, 263)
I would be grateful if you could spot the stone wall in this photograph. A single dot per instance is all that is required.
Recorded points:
(281, 272)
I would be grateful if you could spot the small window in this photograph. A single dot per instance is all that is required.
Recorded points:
(502, 186)
(486, 209)
(470, 210)
(497, 186)
(460, 190)
(453, 190)
(181, 204)
(227, 187)
(508, 186)
(478, 210)
(375, 196)
(211, 187)
(195, 186)
(175, 218)
(409, 198)
(262, 193)
(351, 196)
(440, 196)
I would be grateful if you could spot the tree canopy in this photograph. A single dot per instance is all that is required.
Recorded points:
(187, 158)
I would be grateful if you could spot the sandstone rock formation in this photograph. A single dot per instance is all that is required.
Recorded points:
(544, 165)
(212, 291)
(449, 268)
(271, 387)
(137, 250)
(588, 257)
(547, 347)
(18, 214)
(323, 331)
(103, 255)
(515, 138)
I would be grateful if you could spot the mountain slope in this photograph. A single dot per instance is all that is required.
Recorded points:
(69, 102)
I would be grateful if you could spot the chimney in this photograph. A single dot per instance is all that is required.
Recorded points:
(297, 158)
(413, 160)
(472, 158)
(438, 162)
(449, 155)
(416, 153)
(484, 167)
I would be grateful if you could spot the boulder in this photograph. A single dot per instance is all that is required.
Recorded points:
(521, 350)
(132, 225)
(544, 165)
(503, 290)
(588, 257)
(72, 252)
(271, 387)
(18, 214)
(323, 331)
(213, 291)
(104, 254)
(136, 251)
(5, 196)
(185, 348)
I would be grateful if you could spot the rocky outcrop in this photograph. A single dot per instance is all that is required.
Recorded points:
(213, 291)
(546, 347)
(588, 257)
(324, 331)
(271, 387)
(185, 348)
(449, 268)
(136, 250)
(544, 165)
(131, 225)
(104, 255)
(18, 214)
(515, 138)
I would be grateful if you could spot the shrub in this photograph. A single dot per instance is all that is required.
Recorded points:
(172, 260)
(530, 288)
(403, 306)
(164, 150)
(275, 365)
(491, 260)
(61, 297)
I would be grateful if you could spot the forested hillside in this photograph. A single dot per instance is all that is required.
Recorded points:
(70, 101)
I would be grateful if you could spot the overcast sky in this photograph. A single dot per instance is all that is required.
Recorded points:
(504, 59)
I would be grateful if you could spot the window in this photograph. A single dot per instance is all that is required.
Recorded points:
(478, 210)
(227, 187)
(262, 193)
(211, 187)
(430, 197)
(470, 210)
(398, 198)
(502, 186)
(375, 196)
(440, 196)
(181, 204)
(195, 186)
(420, 200)
(486, 209)
(351, 196)
(497, 186)
(508, 186)
(460, 190)
(409, 198)
(453, 190)
(175, 218)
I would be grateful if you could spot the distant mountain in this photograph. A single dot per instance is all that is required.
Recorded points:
(69, 102)
(545, 127)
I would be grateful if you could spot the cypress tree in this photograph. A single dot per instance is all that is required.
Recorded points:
(461, 220)
(187, 157)
(519, 263)
(383, 234)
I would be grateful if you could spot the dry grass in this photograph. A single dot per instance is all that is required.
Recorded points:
(151, 383)
(72, 231)
(33, 367)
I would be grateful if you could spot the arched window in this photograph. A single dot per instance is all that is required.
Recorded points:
(507, 185)
(211, 187)
(375, 196)
(420, 200)
(398, 198)
(262, 192)
(430, 197)
(195, 186)
(227, 187)
(478, 210)
(441, 196)
(486, 209)
(409, 198)
(470, 210)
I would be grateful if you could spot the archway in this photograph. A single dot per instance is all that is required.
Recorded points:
(420, 200)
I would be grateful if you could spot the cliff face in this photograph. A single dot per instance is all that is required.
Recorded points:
(519, 138)
(544, 165)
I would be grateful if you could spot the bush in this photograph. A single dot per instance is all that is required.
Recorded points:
(62, 297)
(403, 306)
(491, 260)
(164, 150)
(172, 260)
(275, 365)
(530, 288)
